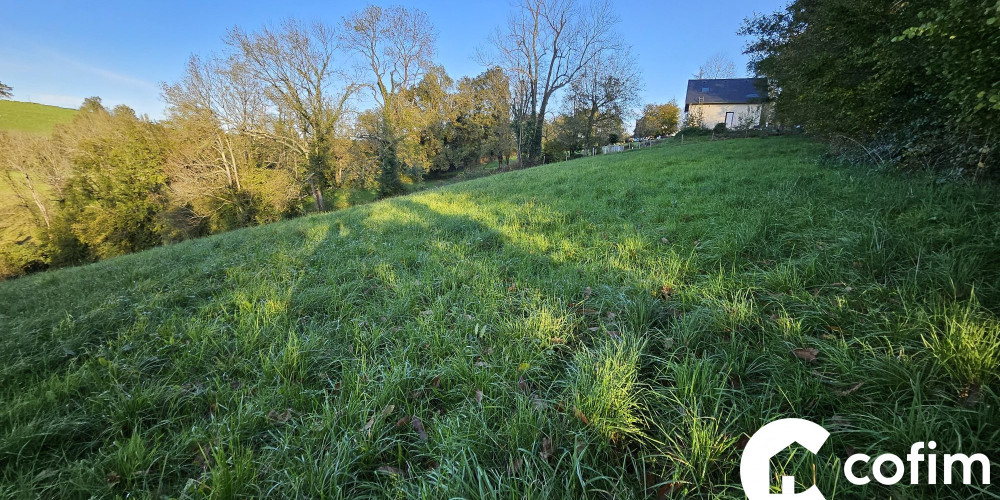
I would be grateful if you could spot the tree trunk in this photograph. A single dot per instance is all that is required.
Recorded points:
(317, 196)
(535, 148)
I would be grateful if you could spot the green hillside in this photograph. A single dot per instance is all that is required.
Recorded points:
(31, 117)
(612, 327)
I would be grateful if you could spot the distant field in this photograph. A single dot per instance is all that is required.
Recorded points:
(611, 327)
(31, 117)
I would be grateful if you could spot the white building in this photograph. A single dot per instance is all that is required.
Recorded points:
(737, 102)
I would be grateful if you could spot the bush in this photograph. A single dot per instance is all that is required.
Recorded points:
(720, 128)
(694, 131)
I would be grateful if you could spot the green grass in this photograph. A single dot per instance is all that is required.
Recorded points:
(610, 327)
(31, 117)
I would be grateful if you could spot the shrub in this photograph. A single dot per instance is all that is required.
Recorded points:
(694, 131)
(720, 128)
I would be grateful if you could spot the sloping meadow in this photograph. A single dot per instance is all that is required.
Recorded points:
(613, 327)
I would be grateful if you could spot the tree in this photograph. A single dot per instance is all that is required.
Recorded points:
(117, 189)
(717, 66)
(295, 65)
(545, 46)
(223, 162)
(870, 71)
(491, 111)
(606, 91)
(658, 120)
(394, 45)
(6, 91)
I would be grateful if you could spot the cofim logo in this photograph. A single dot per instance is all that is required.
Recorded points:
(774, 437)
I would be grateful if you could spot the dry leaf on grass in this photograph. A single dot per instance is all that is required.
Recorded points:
(479, 396)
(546, 452)
(667, 489)
(850, 391)
(280, 418)
(419, 427)
(807, 354)
(515, 466)
(388, 469)
(579, 414)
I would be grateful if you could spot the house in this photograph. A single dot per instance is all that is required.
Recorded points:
(737, 102)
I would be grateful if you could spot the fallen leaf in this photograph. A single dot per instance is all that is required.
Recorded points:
(523, 366)
(557, 340)
(807, 354)
(970, 395)
(367, 429)
(667, 291)
(522, 384)
(436, 381)
(586, 293)
(850, 391)
(546, 452)
(587, 312)
(665, 241)
(742, 442)
(427, 312)
(113, 478)
(540, 404)
(419, 427)
(280, 418)
(593, 329)
(386, 411)
(479, 396)
(613, 334)
(403, 421)
(388, 469)
(203, 457)
(668, 488)
(579, 414)
(515, 466)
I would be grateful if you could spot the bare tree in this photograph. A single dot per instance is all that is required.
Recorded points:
(543, 48)
(394, 45)
(6, 91)
(295, 64)
(607, 90)
(717, 66)
(215, 101)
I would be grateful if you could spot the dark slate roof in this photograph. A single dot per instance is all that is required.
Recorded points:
(725, 91)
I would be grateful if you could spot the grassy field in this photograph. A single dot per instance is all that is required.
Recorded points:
(31, 117)
(611, 327)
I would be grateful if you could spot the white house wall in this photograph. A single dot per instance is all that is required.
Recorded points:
(716, 113)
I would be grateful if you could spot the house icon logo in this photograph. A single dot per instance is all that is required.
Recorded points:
(755, 473)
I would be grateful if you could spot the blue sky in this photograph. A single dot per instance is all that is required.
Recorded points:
(61, 52)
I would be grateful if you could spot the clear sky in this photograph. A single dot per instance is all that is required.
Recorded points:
(61, 52)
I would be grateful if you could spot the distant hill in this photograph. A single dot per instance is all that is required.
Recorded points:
(32, 117)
